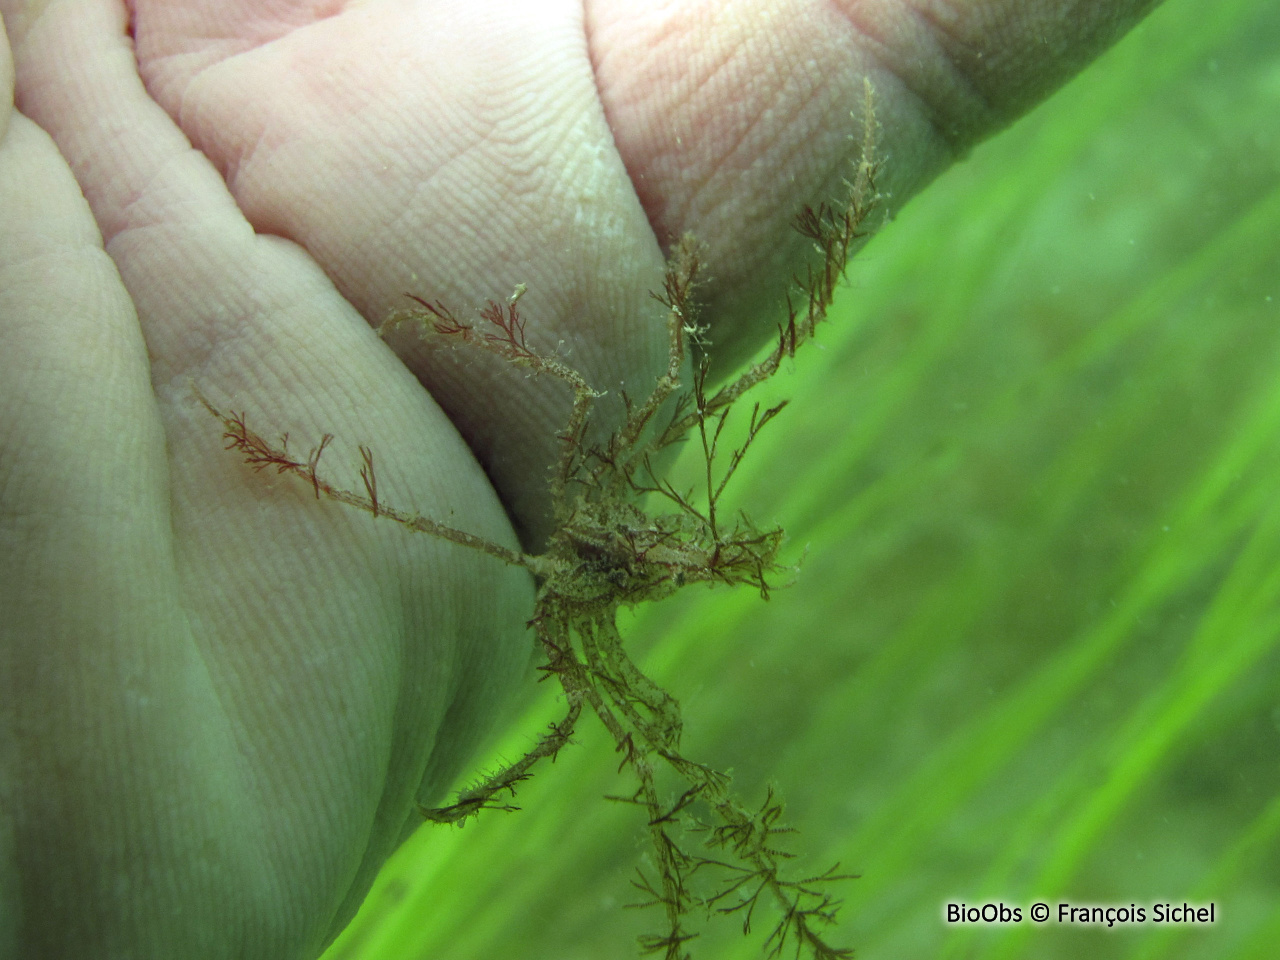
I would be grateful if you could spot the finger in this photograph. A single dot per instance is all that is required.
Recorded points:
(732, 116)
(72, 427)
(447, 150)
(216, 302)
(97, 664)
(353, 660)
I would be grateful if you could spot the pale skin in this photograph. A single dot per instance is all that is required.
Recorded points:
(219, 697)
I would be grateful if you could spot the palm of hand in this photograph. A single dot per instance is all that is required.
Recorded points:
(222, 697)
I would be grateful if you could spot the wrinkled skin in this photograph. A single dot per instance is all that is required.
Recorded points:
(219, 698)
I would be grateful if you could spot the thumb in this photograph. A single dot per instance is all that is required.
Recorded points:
(731, 116)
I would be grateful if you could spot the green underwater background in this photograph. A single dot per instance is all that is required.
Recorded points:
(1033, 649)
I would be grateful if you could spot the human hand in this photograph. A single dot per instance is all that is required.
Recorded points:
(220, 696)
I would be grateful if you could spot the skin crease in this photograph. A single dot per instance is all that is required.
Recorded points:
(219, 697)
